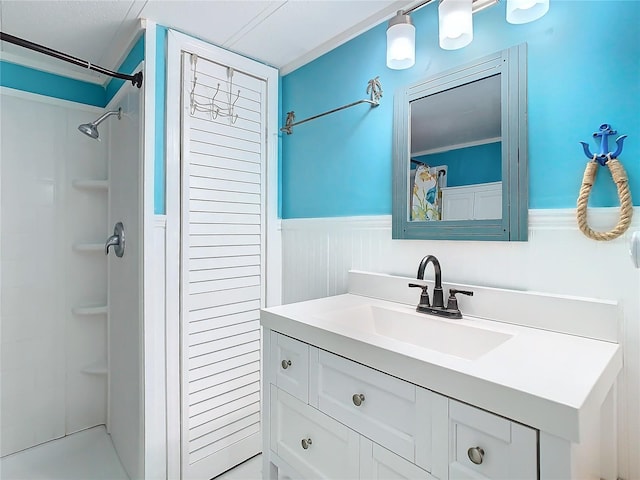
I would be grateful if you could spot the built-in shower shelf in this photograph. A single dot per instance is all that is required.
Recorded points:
(91, 184)
(97, 310)
(88, 247)
(95, 369)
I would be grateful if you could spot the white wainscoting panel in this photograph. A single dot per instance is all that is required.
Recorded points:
(557, 259)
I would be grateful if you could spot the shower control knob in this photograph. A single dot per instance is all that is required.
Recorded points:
(358, 399)
(285, 364)
(116, 241)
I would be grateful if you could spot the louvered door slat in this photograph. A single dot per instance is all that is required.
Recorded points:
(239, 218)
(199, 411)
(229, 330)
(229, 272)
(208, 206)
(223, 229)
(223, 128)
(231, 138)
(200, 264)
(204, 174)
(225, 297)
(224, 196)
(222, 273)
(223, 284)
(223, 343)
(216, 314)
(209, 371)
(240, 349)
(211, 394)
(202, 421)
(222, 377)
(233, 151)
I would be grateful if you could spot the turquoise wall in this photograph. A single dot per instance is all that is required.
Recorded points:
(20, 77)
(584, 70)
(129, 66)
(159, 198)
(31, 80)
(486, 160)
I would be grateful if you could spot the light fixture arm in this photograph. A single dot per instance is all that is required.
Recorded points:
(417, 6)
(477, 5)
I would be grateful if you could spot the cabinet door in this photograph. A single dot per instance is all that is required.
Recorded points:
(315, 445)
(487, 203)
(378, 463)
(485, 446)
(290, 360)
(457, 205)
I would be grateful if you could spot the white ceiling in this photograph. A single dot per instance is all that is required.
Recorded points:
(469, 114)
(283, 33)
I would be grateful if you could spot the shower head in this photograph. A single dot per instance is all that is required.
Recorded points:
(91, 129)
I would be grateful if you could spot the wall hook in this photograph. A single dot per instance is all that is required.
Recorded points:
(214, 109)
(604, 132)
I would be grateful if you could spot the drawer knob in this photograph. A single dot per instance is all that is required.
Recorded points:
(285, 364)
(358, 398)
(476, 455)
(306, 442)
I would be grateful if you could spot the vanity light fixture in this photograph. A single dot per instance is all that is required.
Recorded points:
(455, 25)
(401, 42)
(524, 11)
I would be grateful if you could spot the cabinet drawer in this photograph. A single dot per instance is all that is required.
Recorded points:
(394, 413)
(291, 358)
(330, 449)
(483, 445)
(378, 463)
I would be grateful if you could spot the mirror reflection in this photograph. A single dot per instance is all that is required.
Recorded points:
(455, 168)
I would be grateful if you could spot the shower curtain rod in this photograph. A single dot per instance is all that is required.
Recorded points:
(136, 79)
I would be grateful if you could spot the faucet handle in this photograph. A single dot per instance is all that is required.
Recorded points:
(424, 296)
(452, 301)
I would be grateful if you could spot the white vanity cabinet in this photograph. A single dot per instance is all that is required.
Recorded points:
(327, 416)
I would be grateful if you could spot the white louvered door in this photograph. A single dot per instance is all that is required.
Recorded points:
(222, 270)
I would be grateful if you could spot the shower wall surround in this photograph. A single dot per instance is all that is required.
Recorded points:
(54, 274)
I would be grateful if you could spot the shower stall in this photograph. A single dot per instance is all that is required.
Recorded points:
(71, 395)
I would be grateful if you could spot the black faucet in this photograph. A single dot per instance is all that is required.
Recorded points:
(438, 308)
(438, 298)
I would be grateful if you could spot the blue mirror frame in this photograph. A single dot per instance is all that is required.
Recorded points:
(511, 64)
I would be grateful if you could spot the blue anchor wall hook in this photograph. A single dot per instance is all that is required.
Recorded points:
(604, 155)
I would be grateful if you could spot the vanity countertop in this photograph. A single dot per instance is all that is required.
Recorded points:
(548, 380)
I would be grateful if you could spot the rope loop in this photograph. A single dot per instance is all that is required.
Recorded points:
(619, 176)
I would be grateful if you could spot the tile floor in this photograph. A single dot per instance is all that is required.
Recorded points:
(89, 454)
(83, 455)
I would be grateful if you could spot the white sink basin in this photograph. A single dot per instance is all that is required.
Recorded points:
(445, 336)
